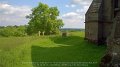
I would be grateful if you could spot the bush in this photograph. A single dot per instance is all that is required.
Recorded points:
(13, 31)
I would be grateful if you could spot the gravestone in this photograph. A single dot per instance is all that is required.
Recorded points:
(39, 33)
(64, 34)
(43, 33)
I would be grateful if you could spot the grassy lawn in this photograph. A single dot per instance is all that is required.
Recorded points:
(49, 50)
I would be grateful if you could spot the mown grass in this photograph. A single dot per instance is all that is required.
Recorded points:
(32, 51)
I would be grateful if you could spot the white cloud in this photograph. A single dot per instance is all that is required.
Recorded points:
(78, 10)
(73, 5)
(82, 2)
(73, 20)
(70, 5)
(77, 18)
(82, 10)
(67, 6)
(71, 15)
(13, 15)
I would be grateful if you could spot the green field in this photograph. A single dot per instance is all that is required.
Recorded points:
(51, 50)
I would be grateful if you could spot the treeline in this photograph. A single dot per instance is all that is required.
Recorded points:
(12, 31)
(72, 29)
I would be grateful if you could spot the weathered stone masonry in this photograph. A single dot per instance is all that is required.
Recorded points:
(102, 25)
(98, 21)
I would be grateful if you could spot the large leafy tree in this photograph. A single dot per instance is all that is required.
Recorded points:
(44, 19)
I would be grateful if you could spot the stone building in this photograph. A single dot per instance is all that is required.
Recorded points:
(102, 25)
(99, 20)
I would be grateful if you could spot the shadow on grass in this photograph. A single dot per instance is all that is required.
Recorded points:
(77, 50)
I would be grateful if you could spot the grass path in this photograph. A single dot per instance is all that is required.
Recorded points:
(31, 51)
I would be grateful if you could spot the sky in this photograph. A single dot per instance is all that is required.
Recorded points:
(72, 12)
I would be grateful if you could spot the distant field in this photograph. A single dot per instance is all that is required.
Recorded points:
(54, 50)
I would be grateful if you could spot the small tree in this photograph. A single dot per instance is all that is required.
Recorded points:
(44, 19)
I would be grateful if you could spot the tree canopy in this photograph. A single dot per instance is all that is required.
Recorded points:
(45, 19)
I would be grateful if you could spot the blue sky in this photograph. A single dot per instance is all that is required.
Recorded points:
(13, 12)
